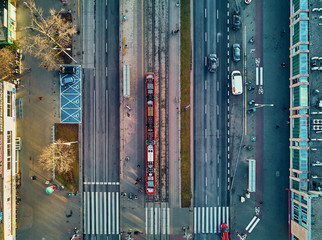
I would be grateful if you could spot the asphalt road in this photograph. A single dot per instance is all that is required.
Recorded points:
(100, 119)
(210, 120)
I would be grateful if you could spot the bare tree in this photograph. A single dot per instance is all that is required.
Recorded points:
(59, 156)
(7, 60)
(52, 35)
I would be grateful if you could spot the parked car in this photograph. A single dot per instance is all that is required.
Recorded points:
(236, 20)
(224, 231)
(212, 62)
(248, 1)
(68, 69)
(236, 52)
(67, 80)
(236, 83)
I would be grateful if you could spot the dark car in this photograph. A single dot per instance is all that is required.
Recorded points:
(212, 62)
(236, 52)
(68, 69)
(236, 20)
(224, 231)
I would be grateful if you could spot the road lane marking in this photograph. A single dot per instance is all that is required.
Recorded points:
(168, 221)
(257, 76)
(203, 220)
(93, 211)
(117, 213)
(152, 219)
(105, 210)
(205, 60)
(217, 109)
(194, 220)
(205, 108)
(146, 220)
(211, 222)
(217, 182)
(106, 23)
(261, 76)
(215, 219)
(199, 220)
(207, 213)
(251, 222)
(217, 86)
(85, 213)
(206, 133)
(206, 181)
(252, 228)
(219, 215)
(205, 84)
(205, 12)
(101, 213)
(217, 14)
(206, 37)
(109, 212)
(217, 133)
(113, 213)
(206, 198)
(206, 157)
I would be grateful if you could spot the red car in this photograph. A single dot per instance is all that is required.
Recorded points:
(224, 231)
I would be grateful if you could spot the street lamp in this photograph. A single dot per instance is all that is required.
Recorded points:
(68, 49)
(316, 177)
(63, 143)
(263, 105)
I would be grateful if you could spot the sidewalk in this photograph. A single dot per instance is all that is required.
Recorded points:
(242, 213)
(41, 216)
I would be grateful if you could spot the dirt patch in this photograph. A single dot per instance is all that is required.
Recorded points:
(69, 133)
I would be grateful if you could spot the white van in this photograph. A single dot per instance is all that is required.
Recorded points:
(236, 83)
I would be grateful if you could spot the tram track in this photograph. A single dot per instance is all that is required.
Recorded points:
(156, 55)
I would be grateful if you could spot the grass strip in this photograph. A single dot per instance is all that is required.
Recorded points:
(185, 57)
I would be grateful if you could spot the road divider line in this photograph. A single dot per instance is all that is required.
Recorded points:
(205, 12)
(261, 76)
(206, 37)
(206, 155)
(217, 14)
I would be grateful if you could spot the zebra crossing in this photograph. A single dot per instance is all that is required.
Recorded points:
(208, 219)
(157, 219)
(101, 212)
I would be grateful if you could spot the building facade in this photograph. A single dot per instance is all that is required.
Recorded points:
(8, 160)
(305, 119)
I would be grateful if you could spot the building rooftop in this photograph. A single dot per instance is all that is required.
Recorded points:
(316, 219)
(315, 93)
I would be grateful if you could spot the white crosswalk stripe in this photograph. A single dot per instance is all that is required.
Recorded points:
(208, 219)
(101, 212)
(157, 219)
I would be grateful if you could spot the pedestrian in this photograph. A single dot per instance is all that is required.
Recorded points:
(171, 31)
(39, 98)
(136, 183)
(178, 30)
(277, 126)
(138, 165)
(283, 64)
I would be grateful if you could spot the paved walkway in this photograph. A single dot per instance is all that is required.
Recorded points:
(41, 216)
